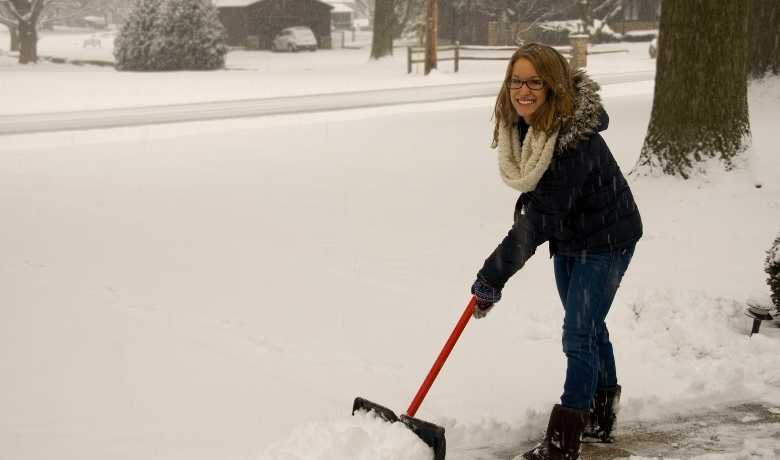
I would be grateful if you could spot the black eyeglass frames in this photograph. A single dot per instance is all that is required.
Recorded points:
(534, 84)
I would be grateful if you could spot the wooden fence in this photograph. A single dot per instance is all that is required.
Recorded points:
(479, 53)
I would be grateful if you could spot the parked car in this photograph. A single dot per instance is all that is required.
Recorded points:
(294, 39)
(653, 49)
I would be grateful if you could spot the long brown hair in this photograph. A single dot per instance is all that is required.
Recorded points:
(558, 109)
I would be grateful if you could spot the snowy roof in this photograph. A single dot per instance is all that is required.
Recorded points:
(341, 5)
(341, 8)
(239, 3)
(228, 3)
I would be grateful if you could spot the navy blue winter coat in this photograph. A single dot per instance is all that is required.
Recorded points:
(582, 204)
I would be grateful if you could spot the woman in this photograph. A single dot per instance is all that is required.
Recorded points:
(573, 196)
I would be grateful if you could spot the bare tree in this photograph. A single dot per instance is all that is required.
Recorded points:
(764, 38)
(25, 15)
(535, 11)
(608, 9)
(700, 106)
(13, 28)
(384, 29)
(115, 11)
(391, 19)
(589, 10)
(410, 14)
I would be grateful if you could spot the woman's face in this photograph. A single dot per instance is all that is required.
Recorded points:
(526, 89)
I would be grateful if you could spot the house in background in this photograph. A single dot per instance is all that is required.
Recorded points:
(254, 23)
(343, 14)
(476, 26)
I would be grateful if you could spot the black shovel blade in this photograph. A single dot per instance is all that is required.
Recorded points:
(431, 434)
(386, 414)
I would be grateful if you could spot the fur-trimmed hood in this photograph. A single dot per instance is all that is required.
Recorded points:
(589, 115)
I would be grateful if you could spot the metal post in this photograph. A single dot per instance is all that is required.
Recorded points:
(457, 55)
(408, 59)
(756, 326)
(431, 35)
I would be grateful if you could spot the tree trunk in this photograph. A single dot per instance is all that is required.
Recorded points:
(384, 27)
(700, 106)
(28, 36)
(764, 38)
(431, 32)
(14, 32)
(586, 15)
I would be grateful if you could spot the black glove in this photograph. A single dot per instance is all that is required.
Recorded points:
(486, 296)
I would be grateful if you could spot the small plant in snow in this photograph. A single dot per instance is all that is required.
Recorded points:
(772, 268)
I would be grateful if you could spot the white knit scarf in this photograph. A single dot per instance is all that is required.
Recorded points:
(523, 166)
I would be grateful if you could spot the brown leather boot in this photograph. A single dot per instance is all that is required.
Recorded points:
(563, 437)
(603, 416)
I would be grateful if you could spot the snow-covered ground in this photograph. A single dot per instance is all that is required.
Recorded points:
(225, 289)
(249, 74)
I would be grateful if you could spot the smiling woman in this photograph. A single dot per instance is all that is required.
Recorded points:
(574, 196)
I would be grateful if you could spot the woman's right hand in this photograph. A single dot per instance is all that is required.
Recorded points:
(486, 296)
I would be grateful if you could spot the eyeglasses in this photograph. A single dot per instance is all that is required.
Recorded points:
(534, 84)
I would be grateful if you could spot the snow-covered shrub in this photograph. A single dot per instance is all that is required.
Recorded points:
(137, 42)
(193, 38)
(772, 268)
(171, 35)
(549, 34)
(557, 32)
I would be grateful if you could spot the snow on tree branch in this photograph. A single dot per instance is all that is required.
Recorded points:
(6, 15)
(539, 11)
(618, 8)
(606, 4)
(11, 7)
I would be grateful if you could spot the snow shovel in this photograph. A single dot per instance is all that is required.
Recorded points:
(431, 434)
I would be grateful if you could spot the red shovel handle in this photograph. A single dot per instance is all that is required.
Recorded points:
(445, 352)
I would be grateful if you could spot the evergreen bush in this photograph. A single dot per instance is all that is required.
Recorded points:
(772, 268)
(171, 35)
(137, 42)
(192, 36)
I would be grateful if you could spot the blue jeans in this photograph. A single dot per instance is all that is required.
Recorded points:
(587, 285)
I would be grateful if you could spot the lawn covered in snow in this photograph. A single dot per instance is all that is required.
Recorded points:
(248, 74)
(225, 289)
